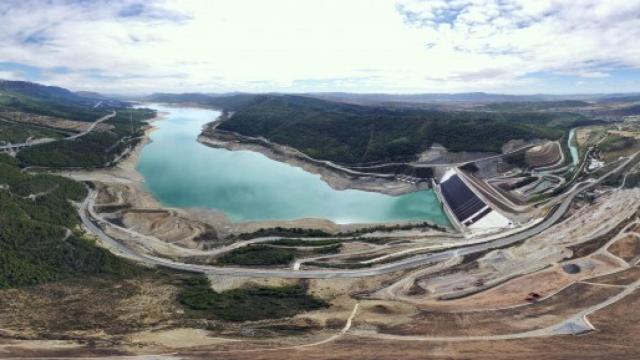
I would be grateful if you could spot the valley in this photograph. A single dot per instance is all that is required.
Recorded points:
(409, 262)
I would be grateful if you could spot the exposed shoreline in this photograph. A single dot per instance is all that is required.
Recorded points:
(339, 178)
(125, 175)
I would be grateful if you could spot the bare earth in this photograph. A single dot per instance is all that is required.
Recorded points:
(570, 291)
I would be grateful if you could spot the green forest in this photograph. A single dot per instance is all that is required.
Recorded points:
(353, 134)
(265, 255)
(39, 236)
(65, 110)
(95, 149)
(246, 304)
(11, 132)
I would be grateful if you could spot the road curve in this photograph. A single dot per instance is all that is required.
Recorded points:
(92, 126)
(72, 137)
(86, 211)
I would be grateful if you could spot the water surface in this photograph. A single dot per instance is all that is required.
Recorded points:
(245, 185)
(572, 147)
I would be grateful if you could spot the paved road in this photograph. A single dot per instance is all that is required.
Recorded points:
(93, 125)
(453, 164)
(573, 325)
(22, 145)
(86, 212)
(361, 170)
(72, 137)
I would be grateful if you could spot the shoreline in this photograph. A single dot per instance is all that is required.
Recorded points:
(124, 174)
(338, 178)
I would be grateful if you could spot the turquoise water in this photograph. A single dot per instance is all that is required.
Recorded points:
(245, 185)
(572, 148)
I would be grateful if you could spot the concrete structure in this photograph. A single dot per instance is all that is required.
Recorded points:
(465, 207)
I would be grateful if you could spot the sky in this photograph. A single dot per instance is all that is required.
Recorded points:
(392, 46)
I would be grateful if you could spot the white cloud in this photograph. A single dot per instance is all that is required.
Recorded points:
(289, 45)
(534, 36)
(9, 75)
(593, 74)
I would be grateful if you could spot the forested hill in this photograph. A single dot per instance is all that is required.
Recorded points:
(354, 134)
(53, 101)
(40, 239)
(34, 110)
(229, 102)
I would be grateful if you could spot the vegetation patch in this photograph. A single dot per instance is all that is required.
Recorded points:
(632, 180)
(391, 228)
(6, 159)
(284, 232)
(95, 149)
(300, 242)
(102, 304)
(353, 134)
(339, 265)
(91, 150)
(19, 133)
(258, 255)
(315, 233)
(246, 304)
(38, 243)
(265, 255)
(617, 143)
(49, 107)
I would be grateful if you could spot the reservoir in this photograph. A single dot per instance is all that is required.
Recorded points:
(572, 147)
(245, 185)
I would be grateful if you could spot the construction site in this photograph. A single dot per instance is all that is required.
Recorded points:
(539, 248)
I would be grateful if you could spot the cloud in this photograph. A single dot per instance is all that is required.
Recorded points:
(534, 36)
(593, 74)
(10, 75)
(307, 45)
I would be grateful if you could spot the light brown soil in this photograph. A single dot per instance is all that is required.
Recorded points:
(632, 134)
(88, 306)
(627, 248)
(513, 292)
(586, 136)
(543, 155)
(624, 277)
(123, 315)
(169, 227)
(616, 339)
(537, 315)
(176, 338)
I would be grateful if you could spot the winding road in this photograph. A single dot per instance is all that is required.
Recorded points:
(88, 215)
(72, 137)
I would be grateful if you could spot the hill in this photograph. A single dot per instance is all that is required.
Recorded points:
(95, 149)
(354, 134)
(229, 102)
(536, 105)
(39, 241)
(53, 101)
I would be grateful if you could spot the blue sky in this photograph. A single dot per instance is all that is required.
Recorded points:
(396, 46)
